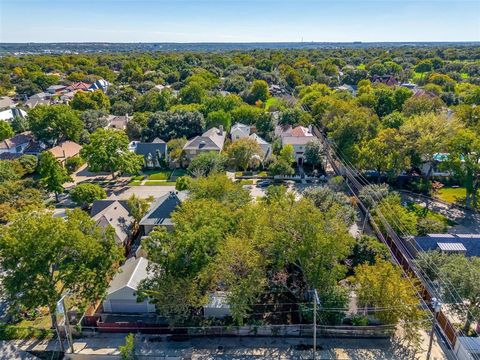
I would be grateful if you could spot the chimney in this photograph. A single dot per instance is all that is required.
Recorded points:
(221, 129)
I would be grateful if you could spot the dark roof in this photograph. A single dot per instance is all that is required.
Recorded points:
(100, 205)
(161, 209)
(10, 156)
(19, 139)
(471, 242)
(144, 148)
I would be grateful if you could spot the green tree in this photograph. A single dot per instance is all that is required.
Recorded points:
(86, 193)
(219, 188)
(281, 167)
(383, 286)
(207, 163)
(390, 210)
(52, 174)
(94, 100)
(20, 124)
(45, 257)
(138, 208)
(458, 283)
(29, 163)
(367, 250)
(333, 203)
(175, 149)
(314, 153)
(258, 91)
(464, 161)
(241, 153)
(426, 136)
(287, 154)
(108, 151)
(192, 93)
(127, 351)
(55, 123)
(6, 130)
(19, 195)
(154, 100)
(241, 267)
(219, 118)
(385, 153)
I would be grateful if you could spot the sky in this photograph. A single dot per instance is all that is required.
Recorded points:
(238, 20)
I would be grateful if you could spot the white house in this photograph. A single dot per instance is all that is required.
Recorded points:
(121, 294)
(8, 115)
(239, 131)
(298, 137)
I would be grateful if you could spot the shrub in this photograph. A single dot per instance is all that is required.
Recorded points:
(73, 164)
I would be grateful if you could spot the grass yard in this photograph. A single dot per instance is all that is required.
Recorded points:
(159, 183)
(158, 174)
(451, 195)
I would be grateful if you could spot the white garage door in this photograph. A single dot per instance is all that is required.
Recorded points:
(128, 306)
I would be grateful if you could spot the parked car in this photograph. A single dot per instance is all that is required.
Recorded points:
(264, 183)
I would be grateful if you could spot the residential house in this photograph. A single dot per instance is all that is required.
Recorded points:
(466, 244)
(160, 213)
(122, 291)
(16, 145)
(117, 122)
(352, 89)
(388, 80)
(114, 213)
(211, 140)
(100, 84)
(38, 99)
(154, 153)
(78, 86)
(55, 89)
(298, 137)
(6, 102)
(66, 150)
(435, 169)
(217, 305)
(8, 115)
(408, 85)
(240, 131)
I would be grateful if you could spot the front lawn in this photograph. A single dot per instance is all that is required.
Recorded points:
(452, 195)
(158, 174)
(159, 183)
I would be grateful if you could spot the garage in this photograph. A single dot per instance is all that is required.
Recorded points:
(121, 295)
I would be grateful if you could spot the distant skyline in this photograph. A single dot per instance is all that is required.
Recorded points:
(238, 21)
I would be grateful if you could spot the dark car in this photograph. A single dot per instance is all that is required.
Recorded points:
(264, 183)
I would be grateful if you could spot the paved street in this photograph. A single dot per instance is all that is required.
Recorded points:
(140, 191)
(229, 348)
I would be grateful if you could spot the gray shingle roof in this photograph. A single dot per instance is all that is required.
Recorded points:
(162, 208)
(144, 148)
(118, 217)
(130, 274)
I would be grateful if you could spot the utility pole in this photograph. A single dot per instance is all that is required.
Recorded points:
(315, 302)
(67, 326)
(437, 306)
